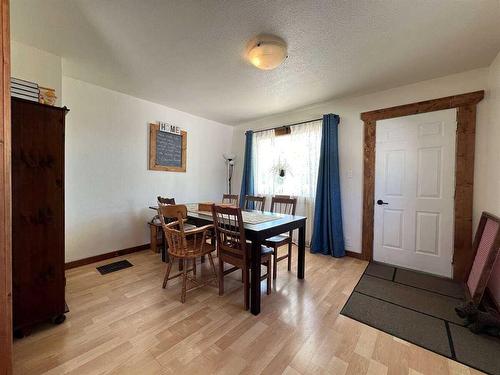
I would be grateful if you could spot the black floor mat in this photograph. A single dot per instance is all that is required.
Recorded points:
(422, 301)
(428, 282)
(480, 351)
(115, 266)
(420, 329)
(380, 270)
(419, 308)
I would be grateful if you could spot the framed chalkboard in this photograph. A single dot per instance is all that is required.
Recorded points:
(167, 151)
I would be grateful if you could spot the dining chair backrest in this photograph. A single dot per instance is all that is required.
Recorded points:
(232, 199)
(230, 233)
(258, 202)
(180, 243)
(172, 221)
(282, 205)
(169, 213)
(166, 200)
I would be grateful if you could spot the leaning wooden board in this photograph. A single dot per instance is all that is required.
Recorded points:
(167, 151)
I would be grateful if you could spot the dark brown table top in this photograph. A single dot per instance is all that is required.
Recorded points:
(281, 220)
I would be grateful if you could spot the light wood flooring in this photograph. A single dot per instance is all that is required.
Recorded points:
(125, 323)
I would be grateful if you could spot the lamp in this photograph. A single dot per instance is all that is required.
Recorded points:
(266, 52)
(230, 165)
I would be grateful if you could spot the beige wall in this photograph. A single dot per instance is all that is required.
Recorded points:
(488, 186)
(86, 120)
(351, 134)
(33, 64)
(108, 184)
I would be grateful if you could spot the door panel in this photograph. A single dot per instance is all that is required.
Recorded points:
(429, 172)
(393, 228)
(415, 177)
(394, 172)
(428, 232)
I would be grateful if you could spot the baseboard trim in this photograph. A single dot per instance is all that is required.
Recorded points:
(352, 254)
(98, 258)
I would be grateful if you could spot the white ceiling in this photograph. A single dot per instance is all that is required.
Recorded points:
(188, 54)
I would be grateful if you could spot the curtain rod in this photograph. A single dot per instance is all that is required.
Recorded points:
(287, 126)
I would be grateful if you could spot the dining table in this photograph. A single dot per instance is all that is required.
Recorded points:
(259, 227)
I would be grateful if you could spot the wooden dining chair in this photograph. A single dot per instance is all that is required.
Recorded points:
(287, 206)
(232, 248)
(258, 202)
(185, 245)
(171, 201)
(232, 199)
(165, 200)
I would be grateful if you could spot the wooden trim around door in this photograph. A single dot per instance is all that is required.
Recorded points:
(5, 197)
(464, 170)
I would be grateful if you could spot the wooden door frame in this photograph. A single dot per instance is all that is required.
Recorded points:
(5, 197)
(464, 170)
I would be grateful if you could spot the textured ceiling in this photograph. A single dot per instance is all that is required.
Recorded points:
(188, 54)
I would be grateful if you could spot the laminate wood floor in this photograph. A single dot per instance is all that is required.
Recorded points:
(125, 323)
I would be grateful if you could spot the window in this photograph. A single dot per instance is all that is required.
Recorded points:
(288, 164)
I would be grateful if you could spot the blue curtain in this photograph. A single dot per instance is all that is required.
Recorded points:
(328, 235)
(247, 179)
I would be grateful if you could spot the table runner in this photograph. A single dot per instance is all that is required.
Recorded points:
(248, 217)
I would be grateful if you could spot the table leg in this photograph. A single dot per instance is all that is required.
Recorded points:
(301, 258)
(154, 237)
(255, 278)
(164, 253)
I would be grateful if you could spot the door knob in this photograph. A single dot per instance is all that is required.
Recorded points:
(380, 202)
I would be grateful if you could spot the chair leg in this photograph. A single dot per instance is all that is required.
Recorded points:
(269, 280)
(246, 288)
(290, 256)
(194, 267)
(169, 267)
(181, 264)
(275, 262)
(165, 257)
(221, 277)
(184, 281)
(213, 268)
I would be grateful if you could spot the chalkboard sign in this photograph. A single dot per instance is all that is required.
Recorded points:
(167, 151)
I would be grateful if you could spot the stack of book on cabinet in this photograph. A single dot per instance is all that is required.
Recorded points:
(47, 96)
(20, 88)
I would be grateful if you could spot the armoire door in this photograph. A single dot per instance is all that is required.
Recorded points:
(37, 212)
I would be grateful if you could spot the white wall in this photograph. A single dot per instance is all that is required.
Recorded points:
(351, 134)
(33, 64)
(108, 184)
(98, 115)
(487, 184)
(489, 188)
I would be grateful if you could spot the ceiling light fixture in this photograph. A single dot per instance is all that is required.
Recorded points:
(266, 51)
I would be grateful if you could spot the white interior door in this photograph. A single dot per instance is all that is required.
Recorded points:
(414, 191)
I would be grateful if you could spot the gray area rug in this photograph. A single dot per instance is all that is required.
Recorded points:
(419, 308)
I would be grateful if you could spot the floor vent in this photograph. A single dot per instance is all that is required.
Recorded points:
(115, 266)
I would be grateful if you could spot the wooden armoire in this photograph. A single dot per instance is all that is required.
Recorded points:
(37, 214)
